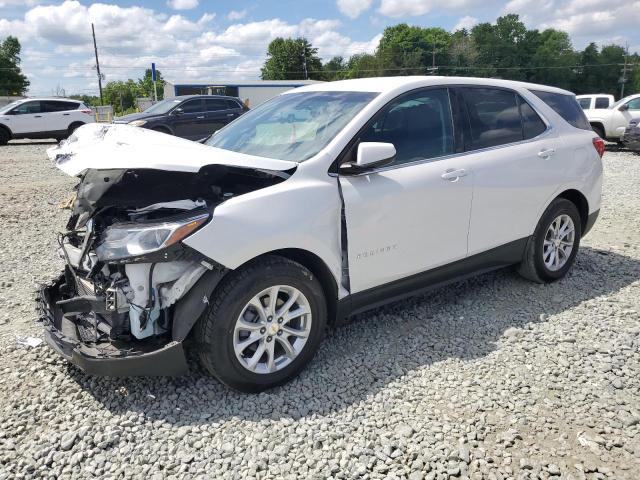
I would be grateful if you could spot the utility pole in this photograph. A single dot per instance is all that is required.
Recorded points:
(624, 71)
(95, 49)
(304, 61)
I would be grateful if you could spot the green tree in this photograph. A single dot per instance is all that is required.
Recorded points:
(363, 65)
(12, 80)
(555, 60)
(335, 69)
(121, 95)
(288, 58)
(145, 84)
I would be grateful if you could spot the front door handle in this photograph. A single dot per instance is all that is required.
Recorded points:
(453, 175)
(200, 117)
(38, 116)
(230, 114)
(546, 152)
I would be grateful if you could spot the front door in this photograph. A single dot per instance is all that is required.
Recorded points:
(412, 215)
(217, 115)
(189, 122)
(27, 118)
(621, 118)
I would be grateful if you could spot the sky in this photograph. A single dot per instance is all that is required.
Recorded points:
(200, 40)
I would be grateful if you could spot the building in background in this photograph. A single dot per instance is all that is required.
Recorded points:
(252, 93)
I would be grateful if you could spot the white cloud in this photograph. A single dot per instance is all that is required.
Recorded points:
(414, 8)
(353, 8)
(182, 4)
(467, 22)
(20, 3)
(237, 14)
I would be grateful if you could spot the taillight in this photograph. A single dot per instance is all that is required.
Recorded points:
(598, 144)
(87, 111)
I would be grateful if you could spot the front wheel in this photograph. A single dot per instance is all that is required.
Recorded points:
(264, 324)
(552, 249)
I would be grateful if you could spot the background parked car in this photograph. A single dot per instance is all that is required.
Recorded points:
(631, 137)
(596, 100)
(188, 116)
(42, 118)
(610, 123)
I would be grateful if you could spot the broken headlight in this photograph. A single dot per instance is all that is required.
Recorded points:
(138, 123)
(132, 239)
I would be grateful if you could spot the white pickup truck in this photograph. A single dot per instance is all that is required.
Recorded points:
(610, 123)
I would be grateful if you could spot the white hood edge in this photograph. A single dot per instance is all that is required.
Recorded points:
(114, 146)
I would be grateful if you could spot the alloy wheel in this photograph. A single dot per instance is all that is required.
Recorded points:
(558, 242)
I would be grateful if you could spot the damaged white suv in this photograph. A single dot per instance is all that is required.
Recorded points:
(325, 201)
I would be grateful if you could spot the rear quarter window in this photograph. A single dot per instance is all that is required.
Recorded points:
(566, 106)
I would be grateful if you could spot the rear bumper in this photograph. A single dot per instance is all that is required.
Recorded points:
(103, 358)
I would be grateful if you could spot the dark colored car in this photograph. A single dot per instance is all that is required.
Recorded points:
(631, 137)
(189, 116)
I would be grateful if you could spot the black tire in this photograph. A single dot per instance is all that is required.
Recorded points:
(4, 136)
(599, 130)
(214, 332)
(533, 266)
(73, 127)
(59, 139)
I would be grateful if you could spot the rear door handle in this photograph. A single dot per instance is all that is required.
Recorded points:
(200, 117)
(66, 114)
(453, 175)
(230, 114)
(546, 152)
(38, 116)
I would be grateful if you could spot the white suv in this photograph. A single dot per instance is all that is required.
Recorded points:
(42, 118)
(327, 200)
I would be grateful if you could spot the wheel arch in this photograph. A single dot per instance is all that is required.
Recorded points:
(7, 129)
(162, 128)
(581, 203)
(598, 124)
(320, 269)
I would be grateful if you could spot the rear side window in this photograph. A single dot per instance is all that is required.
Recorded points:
(215, 104)
(634, 104)
(566, 106)
(532, 124)
(585, 103)
(58, 106)
(494, 117)
(233, 104)
(602, 102)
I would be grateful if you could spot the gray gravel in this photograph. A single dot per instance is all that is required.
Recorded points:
(490, 378)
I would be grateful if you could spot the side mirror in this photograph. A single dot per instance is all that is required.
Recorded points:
(374, 154)
(178, 111)
(623, 108)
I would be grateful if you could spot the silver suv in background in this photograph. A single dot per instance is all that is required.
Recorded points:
(38, 118)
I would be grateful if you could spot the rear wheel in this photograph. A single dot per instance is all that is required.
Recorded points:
(264, 324)
(74, 126)
(552, 248)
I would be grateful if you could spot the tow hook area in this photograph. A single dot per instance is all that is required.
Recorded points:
(73, 333)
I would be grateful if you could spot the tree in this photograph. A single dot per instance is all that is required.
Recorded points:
(145, 85)
(555, 60)
(363, 65)
(122, 95)
(12, 80)
(291, 59)
(334, 69)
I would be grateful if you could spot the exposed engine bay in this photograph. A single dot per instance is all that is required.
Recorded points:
(126, 267)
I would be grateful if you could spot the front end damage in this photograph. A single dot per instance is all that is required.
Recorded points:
(131, 290)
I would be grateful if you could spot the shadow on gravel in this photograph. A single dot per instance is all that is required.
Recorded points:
(463, 321)
(15, 143)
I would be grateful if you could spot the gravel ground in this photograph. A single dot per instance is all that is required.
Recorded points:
(490, 378)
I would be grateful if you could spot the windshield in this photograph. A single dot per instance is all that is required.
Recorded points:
(293, 126)
(621, 101)
(9, 106)
(164, 106)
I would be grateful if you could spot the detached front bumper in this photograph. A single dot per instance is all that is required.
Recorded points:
(106, 358)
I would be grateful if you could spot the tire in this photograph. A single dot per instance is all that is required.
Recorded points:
(599, 130)
(73, 127)
(4, 136)
(219, 332)
(533, 266)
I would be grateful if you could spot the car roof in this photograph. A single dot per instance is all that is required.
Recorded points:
(61, 99)
(589, 95)
(189, 97)
(389, 84)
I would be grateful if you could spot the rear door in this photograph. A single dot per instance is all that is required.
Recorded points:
(27, 118)
(515, 161)
(59, 114)
(217, 114)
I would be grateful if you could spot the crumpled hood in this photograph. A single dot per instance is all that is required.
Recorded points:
(116, 146)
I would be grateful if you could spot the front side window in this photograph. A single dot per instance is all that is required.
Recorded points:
(566, 106)
(163, 106)
(192, 106)
(602, 102)
(634, 104)
(419, 126)
(494, 117)
(292, 126)
(27, 107)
